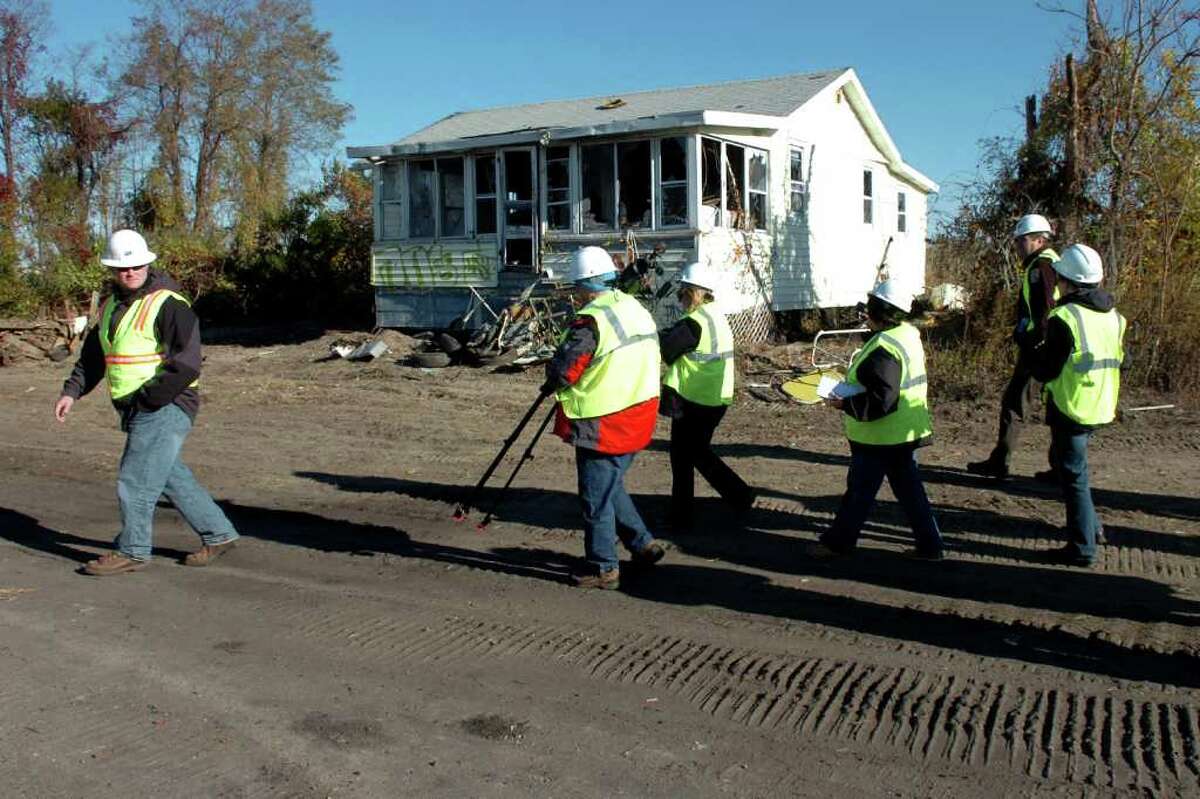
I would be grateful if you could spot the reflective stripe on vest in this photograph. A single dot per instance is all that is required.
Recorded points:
(910, 421)
(132, 353)
(705, 375)
(1030, 322)
(1087, 388)
(624, 369)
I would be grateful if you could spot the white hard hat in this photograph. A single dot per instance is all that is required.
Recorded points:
(1031, 223)
(127, 250)
(1080, 264)
(894, 293)
(589, 262)
(696, 274)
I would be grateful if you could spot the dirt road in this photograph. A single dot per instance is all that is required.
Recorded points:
(360, 643)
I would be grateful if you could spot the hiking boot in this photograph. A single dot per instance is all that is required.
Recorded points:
(820, 551)
(922, 554)
(208, 553)
(648, 555)
(111, 563)
(1068, 555)
(608, 580)
(1047, 476)
(995, 469)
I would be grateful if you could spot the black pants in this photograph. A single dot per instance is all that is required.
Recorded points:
(1018, 398)
(691, 449)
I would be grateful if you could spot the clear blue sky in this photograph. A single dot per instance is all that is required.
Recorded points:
(943, 74)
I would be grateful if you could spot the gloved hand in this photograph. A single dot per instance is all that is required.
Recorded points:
(548, 388)
(127, 412)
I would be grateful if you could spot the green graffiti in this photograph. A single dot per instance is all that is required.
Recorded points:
(436, 264)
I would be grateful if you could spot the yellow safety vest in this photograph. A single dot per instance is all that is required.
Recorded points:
(1087, 388)
(133, 354)
(705, 375)
(624, 370)
(910, 421)
(1031, 323)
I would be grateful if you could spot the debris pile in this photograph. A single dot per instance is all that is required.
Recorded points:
(24, 341)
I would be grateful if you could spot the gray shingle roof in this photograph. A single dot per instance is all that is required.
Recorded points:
(777, 96)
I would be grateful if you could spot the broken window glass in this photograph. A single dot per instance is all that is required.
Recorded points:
(451, 196)
(710, 181)
(735, 172)
(598, 204)
(868, 198)
(673, 191)
(558, 188)
(390, 201)
(757, 179)
(485, 194)
(518, 188)
(422, 182)
(633, 174)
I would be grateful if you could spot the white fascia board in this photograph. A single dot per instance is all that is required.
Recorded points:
(854, 92)
(733, 119)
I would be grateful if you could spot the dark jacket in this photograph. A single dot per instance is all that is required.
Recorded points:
(1042, 279)
(176, 327)
(1047, 357)
(675, 342)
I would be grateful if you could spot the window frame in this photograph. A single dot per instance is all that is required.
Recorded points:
(868, 196)
(658, 186)
(901, 211)
(724, 215)
(399, 200)
(436, 200)
(797, 188)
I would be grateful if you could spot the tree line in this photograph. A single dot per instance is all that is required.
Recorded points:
(197, 129)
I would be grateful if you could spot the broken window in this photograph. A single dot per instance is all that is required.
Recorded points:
(558, 188)
(391, 205)
(756, 180)
(451, 197)
(673, 185)
(633, 181)
(735, 178)
(799, 186)
(598, 205)
(868, 198)
(901, 212)
(710, 154)
(485, 194)
(422, 183)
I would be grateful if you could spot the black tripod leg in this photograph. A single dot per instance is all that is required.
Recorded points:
(527, 455)
(464, 508)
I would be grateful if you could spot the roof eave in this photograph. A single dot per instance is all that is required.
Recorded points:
(878, 134)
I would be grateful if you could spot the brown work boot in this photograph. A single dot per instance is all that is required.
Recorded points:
(111, 563)
(648, 555)
(608, 580)
(207, 554)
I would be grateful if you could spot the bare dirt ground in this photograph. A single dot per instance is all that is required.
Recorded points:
(360, 643)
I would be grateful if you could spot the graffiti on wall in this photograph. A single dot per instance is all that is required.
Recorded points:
(436, 264)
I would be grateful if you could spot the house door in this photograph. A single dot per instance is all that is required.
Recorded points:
(519, 217)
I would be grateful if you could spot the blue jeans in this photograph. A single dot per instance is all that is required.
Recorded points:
(150, 467)
(1068, 452)
(868, 467)
(608, 511)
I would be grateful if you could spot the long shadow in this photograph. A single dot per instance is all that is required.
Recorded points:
(747, 593)
(1035, 587)
(29, 532)
(1164, 505)
(262, 336)
(297, 528)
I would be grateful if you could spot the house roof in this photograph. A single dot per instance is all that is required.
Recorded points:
(762, 104)
(775, 97)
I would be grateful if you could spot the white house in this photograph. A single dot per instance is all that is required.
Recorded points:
(790, 186)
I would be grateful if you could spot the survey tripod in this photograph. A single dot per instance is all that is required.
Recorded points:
(463, 509)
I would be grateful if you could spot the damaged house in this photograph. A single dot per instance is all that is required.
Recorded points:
(790, 186)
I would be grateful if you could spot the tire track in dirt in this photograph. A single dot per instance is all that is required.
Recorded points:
(1053, 734)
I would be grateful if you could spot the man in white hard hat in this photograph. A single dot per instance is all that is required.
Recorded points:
(1031, 238)
(147, 345)
(1079, 363)
(886, 415)
(605, 376)
(697, 390)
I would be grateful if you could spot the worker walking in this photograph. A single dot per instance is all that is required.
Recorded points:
(1079, 361)
(886, 419)
(697, 390)
(605, 376)
(1031, 238)
(147, 345)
